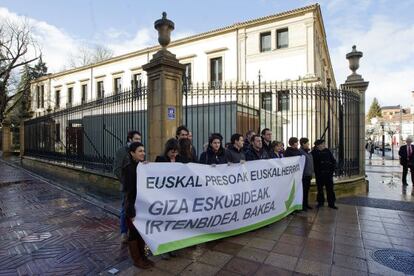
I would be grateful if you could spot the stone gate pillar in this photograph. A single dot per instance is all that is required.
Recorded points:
(355, 81)
(165, 104)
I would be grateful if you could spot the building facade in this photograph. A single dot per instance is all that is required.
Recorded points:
(286, 46)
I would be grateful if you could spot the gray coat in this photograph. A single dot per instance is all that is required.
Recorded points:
(121, 161)
(308, 170)
(234, 155)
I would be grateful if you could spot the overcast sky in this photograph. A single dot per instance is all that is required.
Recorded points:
(382, 30)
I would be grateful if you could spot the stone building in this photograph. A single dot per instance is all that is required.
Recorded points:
(289, 45)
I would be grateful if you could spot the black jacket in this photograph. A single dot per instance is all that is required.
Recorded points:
(195, 156)
(252, 154)
(292, 152)
(404, 160)
(178, 159)
(324, 162)
(210, 157)
(130, 172)
(268, 149)
(234, 155)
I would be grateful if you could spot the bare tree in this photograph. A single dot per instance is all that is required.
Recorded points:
(86, 55)
(17, 49)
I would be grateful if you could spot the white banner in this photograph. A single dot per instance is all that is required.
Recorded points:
(179, 205)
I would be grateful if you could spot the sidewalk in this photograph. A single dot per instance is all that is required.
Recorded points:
(48, 231)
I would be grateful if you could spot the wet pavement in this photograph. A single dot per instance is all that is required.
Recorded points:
(45, 230)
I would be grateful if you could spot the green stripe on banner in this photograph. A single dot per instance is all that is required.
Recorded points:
(174, 245)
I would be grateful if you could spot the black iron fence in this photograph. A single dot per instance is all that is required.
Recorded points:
(89, 135)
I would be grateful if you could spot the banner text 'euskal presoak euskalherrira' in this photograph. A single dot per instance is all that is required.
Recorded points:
(179, 205)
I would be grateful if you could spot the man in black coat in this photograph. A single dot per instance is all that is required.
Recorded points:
(267, 142)
(256, 151)
(293, 149)
(324, 166)
(234, 152)
(406, 154)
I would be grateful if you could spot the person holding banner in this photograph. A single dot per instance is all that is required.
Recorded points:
(324, 166)
(293, 149)
(307, 171)
(170, 152)
(136, 245)
(185, 151)
(234, 152)
(277, 147)
(171, 155)
(256, 151)
(182, 132)
(215, 152)
(121, 161)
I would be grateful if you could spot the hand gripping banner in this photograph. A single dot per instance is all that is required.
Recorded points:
(179, 205)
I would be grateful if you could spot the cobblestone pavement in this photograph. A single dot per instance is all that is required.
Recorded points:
(46, 231)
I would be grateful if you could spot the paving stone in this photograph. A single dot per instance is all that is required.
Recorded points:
(342, 271)
(242, 266)
(200, 269)
(321, 236)
(375, 237)
(260, 243)
(174, 265)
(215, 258)
(253, 254)
(227, 273)
(347, 250)
(266, 270)
(281, 261)
(292, 239)
(372, 244)
(228, 247)
(312, 268)
(348, 240)
(350, 262)
(288, 249)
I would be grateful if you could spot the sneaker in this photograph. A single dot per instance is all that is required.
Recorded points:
(124, 238)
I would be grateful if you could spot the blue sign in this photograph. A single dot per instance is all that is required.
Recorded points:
(171, 113)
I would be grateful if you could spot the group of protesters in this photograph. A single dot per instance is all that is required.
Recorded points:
(319, 161)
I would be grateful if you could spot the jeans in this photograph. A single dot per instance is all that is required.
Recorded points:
(123, 223)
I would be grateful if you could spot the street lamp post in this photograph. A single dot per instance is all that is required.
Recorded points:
(382, 124)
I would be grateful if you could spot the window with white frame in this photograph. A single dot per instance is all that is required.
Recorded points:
(117, 85)
(42, 95)
(216, 71)
(282, 38)
(84, 91)
(265, 42)
(100, 89)
(70, 96)
(38, 96)
(137, 80)
(57, 98)
(188, 73)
